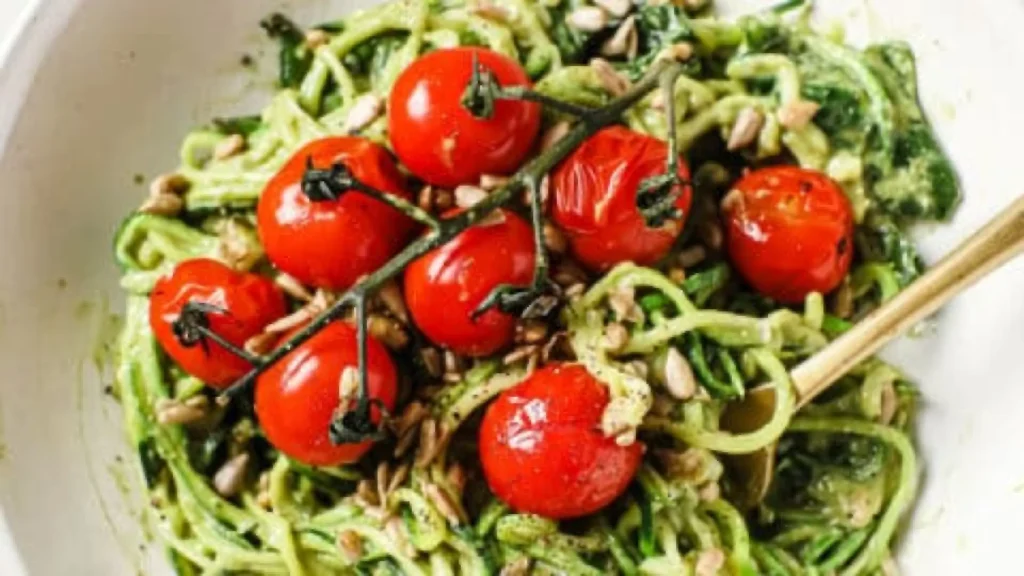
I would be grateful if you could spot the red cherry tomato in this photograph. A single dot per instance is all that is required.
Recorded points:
(331, 244)
(250, 302)
(445, 286)
(296, 398)
(789, 232)
(595, 199)
(444, 143)
(542, 448)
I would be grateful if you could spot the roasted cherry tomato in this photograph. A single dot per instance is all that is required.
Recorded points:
(789, 232)
(296, 399)
(445, 286)
(332, 243)
(542, 448)
(440, 140)
(595, 192)
(247, 303)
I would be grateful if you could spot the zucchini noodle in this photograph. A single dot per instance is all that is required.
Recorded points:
(847, 471)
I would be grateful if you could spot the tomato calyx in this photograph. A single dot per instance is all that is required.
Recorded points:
(192, 328)
(484, 90)
(330, 184)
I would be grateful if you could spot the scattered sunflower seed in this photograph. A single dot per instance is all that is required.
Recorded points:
(615, 338)
(588, 18)
(366, 109)
(617, 8)
(229, 480)
(316, 38)
(746, 129)
(625, 41)
(468, 196)
(679, 379)
(229, 147)
(616, 84)
(798, 114)
(351, 545)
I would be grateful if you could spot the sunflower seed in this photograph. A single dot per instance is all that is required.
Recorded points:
(679, 379)
(175, 184)
(365, 492)
(490, 183)
(520, 567)
(617, 8)
(677, 275)
(395, 530)
(554, 240)
(468, 196)
(492, 11)
(398, 478)
(798, 114)
(293, 287)
(710, 234)
(568, 273)
(710, 562)
(388, 331)
(351, 545)
(625, 41)
(452, 362)
(229, 147)
(456, 476)
(163, 205)
(588, 19)
(710, 492)
(173, 412)
(616, 84)
(431, 359)
(531, 332)
(622, 301)
(554, 134)
(843, 301)
(692, 256)
(366, 109)
(316, 38)
(382, 483)
(229, 480)
(615, 338)
(746, 129)
(680, 52)
(519, 354)
(890, 403)
(443, 503)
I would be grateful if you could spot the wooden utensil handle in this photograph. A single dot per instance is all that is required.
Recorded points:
(998, 242)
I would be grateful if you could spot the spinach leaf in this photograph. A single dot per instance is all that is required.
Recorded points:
(880, 239)
(294, 59)
(841, 108)
(370, 58)
(918, 181)
(574, 44)
(242, 125)
(659, 27)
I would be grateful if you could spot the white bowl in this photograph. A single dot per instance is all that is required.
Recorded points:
(95, 92)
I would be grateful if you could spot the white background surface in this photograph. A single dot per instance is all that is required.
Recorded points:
(9, 12)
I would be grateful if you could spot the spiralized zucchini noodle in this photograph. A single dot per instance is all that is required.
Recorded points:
(847, 471)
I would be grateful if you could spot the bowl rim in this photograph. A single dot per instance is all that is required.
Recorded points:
(30, 35)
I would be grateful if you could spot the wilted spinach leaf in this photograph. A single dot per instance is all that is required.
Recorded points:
(294, 60)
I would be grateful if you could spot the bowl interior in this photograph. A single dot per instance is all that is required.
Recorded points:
(97, 95)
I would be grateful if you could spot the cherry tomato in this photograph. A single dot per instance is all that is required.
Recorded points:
(441, 141)
(249, 302)
(789, 232)
(595, 192)
(296, 398)
(542, 448)
(445, 286)
(332, 243)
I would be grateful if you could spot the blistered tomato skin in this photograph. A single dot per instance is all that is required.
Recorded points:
(789, 232)
(444, 287)
(332, 243)
(441, 141)
(543, 451)
(297, 397)
(595, 192)
(250, 302)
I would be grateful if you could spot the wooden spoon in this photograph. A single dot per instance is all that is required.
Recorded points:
(998, 242)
